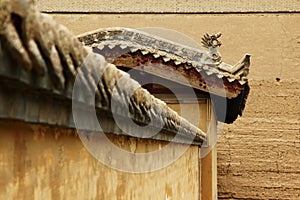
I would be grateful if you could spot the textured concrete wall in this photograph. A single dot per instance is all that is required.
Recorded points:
(170, 6)
(41, 162)
(258, 155)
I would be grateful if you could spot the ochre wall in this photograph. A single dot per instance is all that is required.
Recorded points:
(258, 155)
(43, 162)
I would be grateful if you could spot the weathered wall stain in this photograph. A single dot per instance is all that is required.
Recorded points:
(46, 162)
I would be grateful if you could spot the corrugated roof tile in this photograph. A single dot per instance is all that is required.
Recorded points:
(55, 82)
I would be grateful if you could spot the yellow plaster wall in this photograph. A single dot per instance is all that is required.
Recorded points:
(43, 162)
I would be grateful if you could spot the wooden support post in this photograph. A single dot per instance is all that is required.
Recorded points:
(209, 162)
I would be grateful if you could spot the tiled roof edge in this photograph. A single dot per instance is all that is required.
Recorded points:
(44, 48)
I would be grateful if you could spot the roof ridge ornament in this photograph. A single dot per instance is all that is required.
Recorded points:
(212, 42)
(142, 47)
